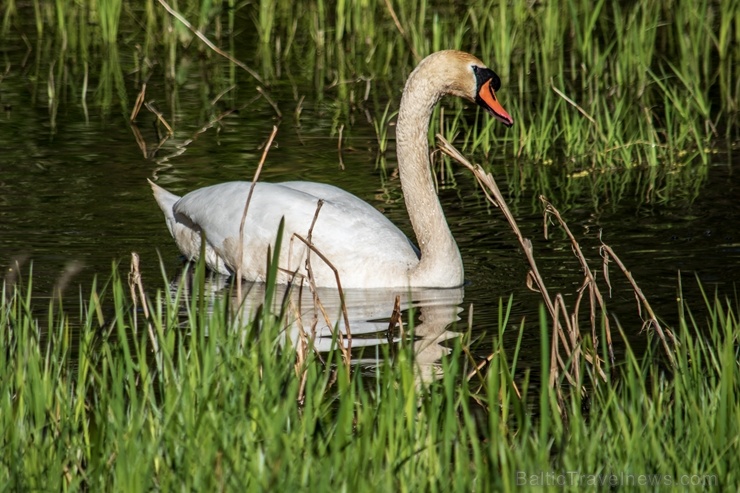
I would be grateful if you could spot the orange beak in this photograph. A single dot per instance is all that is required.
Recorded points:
(487, 96)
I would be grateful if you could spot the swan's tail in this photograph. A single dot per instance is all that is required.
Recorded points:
(186, 234)
(165, 199)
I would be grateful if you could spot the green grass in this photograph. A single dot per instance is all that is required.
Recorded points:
(86, 403)
(599, 84)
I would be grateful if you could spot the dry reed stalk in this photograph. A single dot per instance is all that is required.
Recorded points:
(181, 148)
(160, 117)
(270, 101)
(137, 104)
(652, 321)
(571, 341)
(477, 366)
(573, 104)
(595, 296)
(140, 141)
(244, 213)
(309, 237)
(83, 91)
(303, 346)
(159, 145)
(208, 42)
(401, 30)
(476, 372)
(339, 147)
(300, 363)
(218, 96)
(396, 319)
(137, 293)
(318, 306)
(345, 351)
(300, 367)
(314, 322)
(488, 184)
(299, 110)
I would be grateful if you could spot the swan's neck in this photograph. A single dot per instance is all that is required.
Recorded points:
(440, 264)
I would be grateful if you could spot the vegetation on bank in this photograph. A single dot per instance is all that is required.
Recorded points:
(591, 84)
(92, 399)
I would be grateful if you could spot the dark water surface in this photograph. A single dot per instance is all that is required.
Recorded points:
(76, 196)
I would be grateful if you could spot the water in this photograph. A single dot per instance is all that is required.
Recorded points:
(74, 198)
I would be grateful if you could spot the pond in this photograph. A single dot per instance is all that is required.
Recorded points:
(74, 197)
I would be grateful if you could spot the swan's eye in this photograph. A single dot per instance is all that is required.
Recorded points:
(483, 75)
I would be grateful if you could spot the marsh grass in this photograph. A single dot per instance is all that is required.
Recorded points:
(608, 84)
(100, 396)
(593, 87)
(88, 403)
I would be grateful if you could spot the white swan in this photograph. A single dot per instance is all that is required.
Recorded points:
(367, 250)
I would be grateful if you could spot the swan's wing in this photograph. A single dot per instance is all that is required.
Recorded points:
(354, 236)
(351, 206)
(330, 193)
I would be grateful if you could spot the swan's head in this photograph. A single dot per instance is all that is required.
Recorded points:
(469, 78)
(486, 85)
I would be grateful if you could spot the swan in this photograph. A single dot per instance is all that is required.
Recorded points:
(366, 248)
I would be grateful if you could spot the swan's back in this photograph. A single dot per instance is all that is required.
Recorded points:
(358, 240)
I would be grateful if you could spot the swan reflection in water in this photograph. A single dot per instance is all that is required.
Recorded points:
(317, 314)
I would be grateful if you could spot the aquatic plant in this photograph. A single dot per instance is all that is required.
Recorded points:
(594, 85)
(179, 396)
